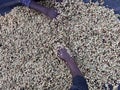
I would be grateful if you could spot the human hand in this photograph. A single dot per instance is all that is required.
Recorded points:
(52, 13)
(63, 54)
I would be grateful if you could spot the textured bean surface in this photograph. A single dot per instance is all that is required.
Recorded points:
(28, 42)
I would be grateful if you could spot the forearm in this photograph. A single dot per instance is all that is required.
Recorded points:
(38, 7)
(52, 13)
(73, 68)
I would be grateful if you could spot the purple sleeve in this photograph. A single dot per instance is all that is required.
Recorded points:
(26, 2)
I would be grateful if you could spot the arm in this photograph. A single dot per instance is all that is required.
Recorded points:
(70, 62)
(74, 68)
(78, 81)
(52, 13)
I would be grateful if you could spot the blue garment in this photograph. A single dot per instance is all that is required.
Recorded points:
(7, 9)
(79, 83)
(110, 87)
(25, 2)
(119, 87)
(111, 4)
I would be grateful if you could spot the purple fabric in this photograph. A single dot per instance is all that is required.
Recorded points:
(25, 2)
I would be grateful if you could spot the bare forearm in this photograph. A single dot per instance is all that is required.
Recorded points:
(73, 68)
(65, 56)
(52, 13)
(38, 7)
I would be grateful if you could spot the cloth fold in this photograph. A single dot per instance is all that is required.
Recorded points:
(25, 2)
(111, 4)
(7, 5)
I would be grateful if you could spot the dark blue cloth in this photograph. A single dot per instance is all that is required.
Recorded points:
(79, 83)
(110, 87)
(9, 8)
(25, 2)
(111, 4)
(119, 87)
(6, 9)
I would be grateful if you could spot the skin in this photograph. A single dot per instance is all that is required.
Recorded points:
(70, 62)
(52, 13)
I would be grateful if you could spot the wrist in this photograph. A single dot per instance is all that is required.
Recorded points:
(70, 61)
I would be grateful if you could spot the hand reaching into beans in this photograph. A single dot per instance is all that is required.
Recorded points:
(79, 82)
(63, 54)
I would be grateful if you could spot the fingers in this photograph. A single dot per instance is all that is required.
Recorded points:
(62, 53)
(59, 54)
(62, 49)
(59, 51)
(52, 13)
